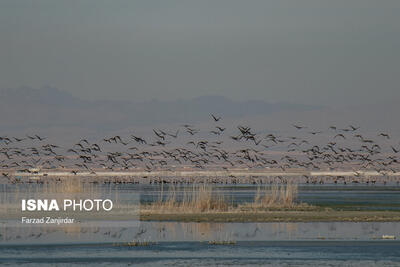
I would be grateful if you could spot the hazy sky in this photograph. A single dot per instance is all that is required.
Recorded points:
(304, 51)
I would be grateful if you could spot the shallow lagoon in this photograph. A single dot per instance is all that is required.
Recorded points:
(278, 253)
(339, 196)
(186, 244)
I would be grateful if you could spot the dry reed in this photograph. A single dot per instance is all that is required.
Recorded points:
(203, 199)
(276, 196)
(199, 199)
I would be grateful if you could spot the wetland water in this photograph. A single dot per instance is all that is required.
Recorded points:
(186, 244)
(337, 196)
(280, 253)
(346, 197)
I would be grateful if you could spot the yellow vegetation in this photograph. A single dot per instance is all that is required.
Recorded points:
(204, 199)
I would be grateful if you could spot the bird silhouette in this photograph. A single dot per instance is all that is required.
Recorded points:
(215, 118)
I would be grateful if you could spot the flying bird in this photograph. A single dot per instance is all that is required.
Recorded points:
(298, 127)
(215, 118)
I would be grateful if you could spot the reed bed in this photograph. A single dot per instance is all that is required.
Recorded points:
(200, 198)
(205, 199)
(275, 196)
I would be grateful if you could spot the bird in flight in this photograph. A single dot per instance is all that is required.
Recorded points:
(215, 118)
(339, 135)
(384, 135)
(354, 128)
(220, 128)
(394, 150)
(298, 127)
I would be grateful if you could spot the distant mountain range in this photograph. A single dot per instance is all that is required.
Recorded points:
(28, 108)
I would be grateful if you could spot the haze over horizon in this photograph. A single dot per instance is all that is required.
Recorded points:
(329, 53)
(57, 113)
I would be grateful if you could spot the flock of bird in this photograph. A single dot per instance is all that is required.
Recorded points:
(215, 148)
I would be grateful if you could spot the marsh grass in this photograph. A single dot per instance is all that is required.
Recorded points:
(200, 198)
(204, 199)
(275, 196)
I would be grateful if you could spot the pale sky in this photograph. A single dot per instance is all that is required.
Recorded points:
(302, 51)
